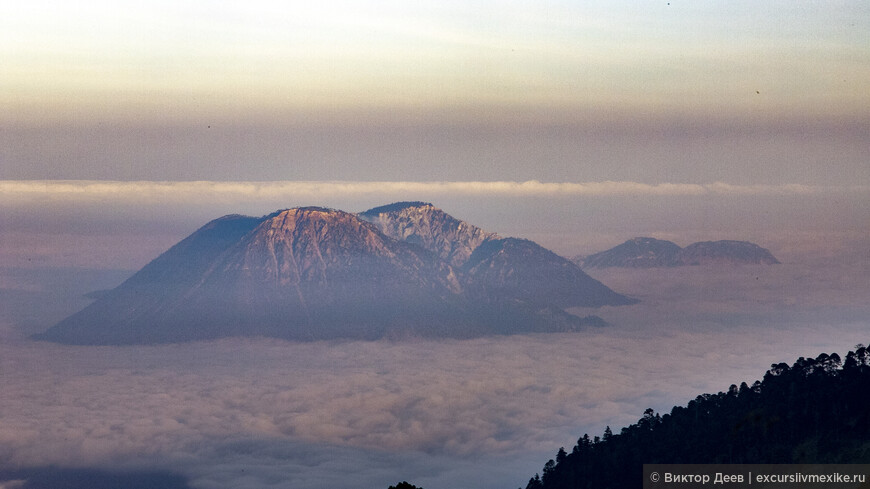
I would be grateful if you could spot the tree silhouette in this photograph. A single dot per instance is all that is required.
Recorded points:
(814, 411)
(404, 485)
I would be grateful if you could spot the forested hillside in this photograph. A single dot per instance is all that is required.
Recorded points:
(815, 411)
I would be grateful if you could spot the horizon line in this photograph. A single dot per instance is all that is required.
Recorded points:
(13, 190)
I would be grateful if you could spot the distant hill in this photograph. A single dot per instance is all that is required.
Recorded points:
(637, 253)
(812, 412)
(651, 252)
(311, 273)
(726, 252)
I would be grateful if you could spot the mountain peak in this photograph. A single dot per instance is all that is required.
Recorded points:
(641, 252)
(726, 251)
(295, 210)
(394, 207)
(429, 227)
(304, 216)
(643, 240)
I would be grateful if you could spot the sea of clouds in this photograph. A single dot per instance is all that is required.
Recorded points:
(252, 413)
(480, 413)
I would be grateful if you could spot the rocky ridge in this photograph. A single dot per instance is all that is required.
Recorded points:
(425, 225)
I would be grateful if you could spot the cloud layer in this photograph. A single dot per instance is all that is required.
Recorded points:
(13, 191)
(289, 412)
(125, 224)
(260, 413)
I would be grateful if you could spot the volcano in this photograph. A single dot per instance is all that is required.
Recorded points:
(312, 273)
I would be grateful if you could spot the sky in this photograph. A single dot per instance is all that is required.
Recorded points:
(125, 126)
(437, 101)
(654, 92)
(190, 61)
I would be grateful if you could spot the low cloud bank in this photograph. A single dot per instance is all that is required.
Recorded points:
(123, 225)
(14, 190)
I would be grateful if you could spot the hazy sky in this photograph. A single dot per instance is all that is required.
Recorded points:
(163, 60)
(691, 92)
(716, 120)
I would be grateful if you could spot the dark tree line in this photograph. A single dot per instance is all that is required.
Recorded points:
(815, 411)
(404, 485)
